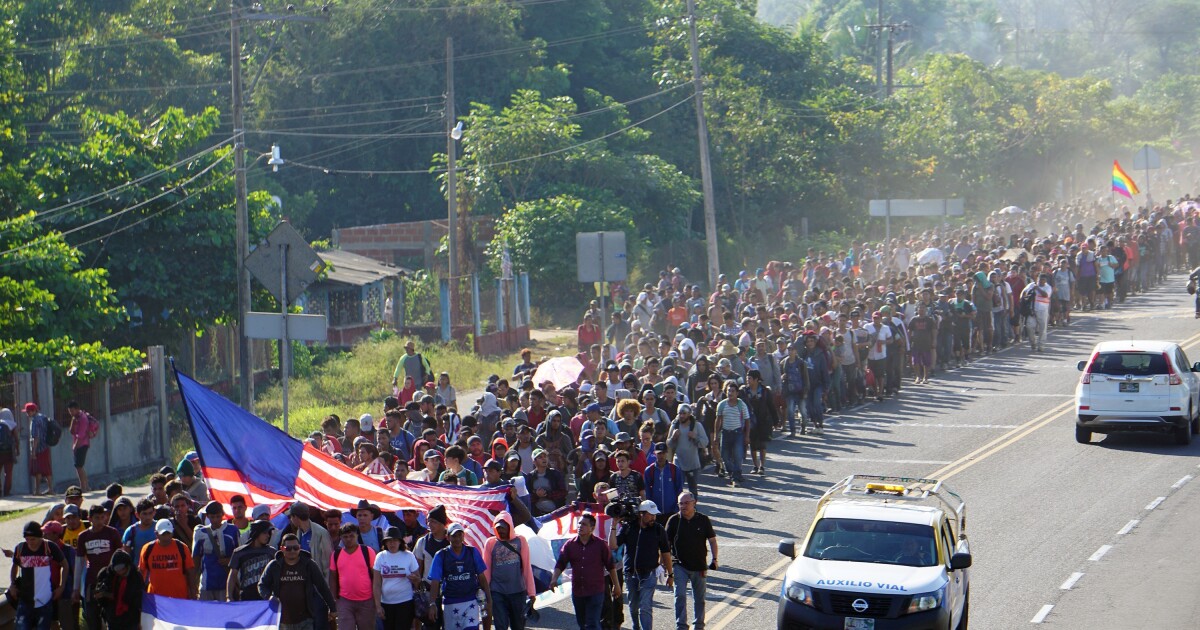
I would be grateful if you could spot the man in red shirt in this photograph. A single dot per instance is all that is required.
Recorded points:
(590, 559)
(587, 333)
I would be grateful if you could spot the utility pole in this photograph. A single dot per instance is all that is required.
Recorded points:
(451, 180)
(878, 60)
(710, 211)
(245, 354)
(891, 29)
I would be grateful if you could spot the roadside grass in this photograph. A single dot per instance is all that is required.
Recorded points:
(18, 514)
(356, 382)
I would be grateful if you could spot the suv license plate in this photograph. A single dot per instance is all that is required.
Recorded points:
(1128, 388)
(859, 623)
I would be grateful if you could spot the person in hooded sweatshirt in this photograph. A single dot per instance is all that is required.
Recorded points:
(509, 574)
(118, 591)
(294, 578)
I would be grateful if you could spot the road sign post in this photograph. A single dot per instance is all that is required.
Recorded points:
(889, 208)
(285, 264)
(1147, 159)
(601, 258)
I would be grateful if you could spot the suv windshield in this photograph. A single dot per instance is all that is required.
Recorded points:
(1135, 363)
(853, 540)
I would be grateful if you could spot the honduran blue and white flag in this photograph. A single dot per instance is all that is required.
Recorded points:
(169, 613)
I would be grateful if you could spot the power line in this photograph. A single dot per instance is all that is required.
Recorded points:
(643, 121)
(121, 212)
(86, 201)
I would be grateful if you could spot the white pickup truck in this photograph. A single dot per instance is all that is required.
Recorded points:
(883, 553)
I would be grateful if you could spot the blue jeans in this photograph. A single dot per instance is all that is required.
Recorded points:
(683, 577)
(816, 408)
(795, 407)
(733, 451)
(508, 611)
(640, 592)
(587, 610)
(30, 618)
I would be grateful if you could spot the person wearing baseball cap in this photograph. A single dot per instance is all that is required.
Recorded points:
(646, 548)
(460, 569)
(247, 562)
(35, 583)
(167, 564)
(397, 572)
(39, 465)
(93, 551)
(214, 541)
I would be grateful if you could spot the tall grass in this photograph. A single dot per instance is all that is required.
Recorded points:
(356, 382)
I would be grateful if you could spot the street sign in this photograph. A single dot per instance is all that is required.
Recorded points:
(1147, 159)
(600, 256)
(303, 264)
(916, 207)
(299, 327)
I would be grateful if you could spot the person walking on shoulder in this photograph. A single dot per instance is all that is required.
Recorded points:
(692, 537)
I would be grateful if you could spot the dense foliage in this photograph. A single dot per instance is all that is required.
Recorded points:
(577, 114)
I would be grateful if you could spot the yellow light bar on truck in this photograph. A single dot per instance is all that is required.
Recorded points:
(885, 487)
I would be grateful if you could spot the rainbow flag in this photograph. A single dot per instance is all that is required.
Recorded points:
(1122, 182)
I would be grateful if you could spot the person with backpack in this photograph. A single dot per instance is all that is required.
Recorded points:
(1035, 311)
(8, 449)
(84, 427)
(37, 579)
(294, 579)
(509, 574)
(247, 562)
(212, 544)
(94, 549)
(43, 433)
(460, 568)
(167, 565)
(351, 580)
(412, 365)
(663, 483)
(118, 593)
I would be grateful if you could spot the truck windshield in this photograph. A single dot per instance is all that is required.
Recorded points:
(854, 540)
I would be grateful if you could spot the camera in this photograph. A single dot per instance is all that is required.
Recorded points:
(623, 508)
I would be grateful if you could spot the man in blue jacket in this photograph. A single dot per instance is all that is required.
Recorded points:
(663, 484)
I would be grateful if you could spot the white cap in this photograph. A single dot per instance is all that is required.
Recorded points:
(455, 528)
(163, 526)
(648, 507)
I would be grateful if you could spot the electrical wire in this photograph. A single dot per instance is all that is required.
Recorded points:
(123, 211)
(87, 201)
(643, 121)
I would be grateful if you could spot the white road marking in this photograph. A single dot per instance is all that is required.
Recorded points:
(1182, 480)
(1000, 395)
(1041, 615)
(1066, 586)
(753, 545)
(1155, 503)
(929, 425)
(858, 460)
(1100, 553)
(1128, 527)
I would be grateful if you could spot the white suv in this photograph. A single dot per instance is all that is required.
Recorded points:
(1138, 386)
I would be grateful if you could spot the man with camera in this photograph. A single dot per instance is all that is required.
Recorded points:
(691, 535)
(646, 548)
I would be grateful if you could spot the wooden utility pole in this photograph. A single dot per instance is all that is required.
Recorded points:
(452, 239)
(710, 211)
(245, 354)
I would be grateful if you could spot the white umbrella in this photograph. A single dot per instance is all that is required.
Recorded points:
(1011, 210)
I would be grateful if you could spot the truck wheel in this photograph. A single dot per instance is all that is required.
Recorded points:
(1082, 435)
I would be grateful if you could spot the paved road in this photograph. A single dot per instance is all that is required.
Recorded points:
(1039, 504)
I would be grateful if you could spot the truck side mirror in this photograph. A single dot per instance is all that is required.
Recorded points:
(1081, 366)
(787, 547)
(960, 561)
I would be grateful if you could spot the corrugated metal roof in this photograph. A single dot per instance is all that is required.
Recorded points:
(355, 270)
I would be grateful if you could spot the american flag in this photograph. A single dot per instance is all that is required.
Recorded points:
(242, 454)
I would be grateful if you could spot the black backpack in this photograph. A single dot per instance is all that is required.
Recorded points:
(1028, 297)
(6, 439)
(53, 431)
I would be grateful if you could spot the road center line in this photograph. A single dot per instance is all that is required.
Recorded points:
(1182, 481)
(1066, 586)
(1155, 503)
(1041, 614)
(1099, 553)
(1128, 527)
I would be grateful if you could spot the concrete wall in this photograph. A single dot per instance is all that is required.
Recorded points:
(392, 242)
(129, 444)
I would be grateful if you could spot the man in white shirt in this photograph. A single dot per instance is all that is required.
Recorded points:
(879, 337)
(1041, 313)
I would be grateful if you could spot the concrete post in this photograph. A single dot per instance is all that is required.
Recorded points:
(526, 314)
(500, 323)
(104, 409)
(22, 393)
(475, 314)
(157, 359)
(444, 300)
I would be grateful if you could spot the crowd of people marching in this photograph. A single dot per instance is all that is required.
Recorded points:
(682, 383)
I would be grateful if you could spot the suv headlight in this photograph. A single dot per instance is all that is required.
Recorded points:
(926, 601)
(798, 593)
